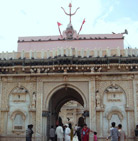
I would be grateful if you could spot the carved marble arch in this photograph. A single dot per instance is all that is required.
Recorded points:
(115, 112)
(18, 112)
(63, 86)
(19, 94)
(114, 93)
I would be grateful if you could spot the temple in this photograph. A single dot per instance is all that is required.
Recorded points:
(68, 77)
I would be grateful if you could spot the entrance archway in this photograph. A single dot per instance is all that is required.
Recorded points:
(58, 99)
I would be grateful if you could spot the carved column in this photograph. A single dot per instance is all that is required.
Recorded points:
(92, 109)
(44, 132)
(135, 101)
(101, 123)
(128, 123)
(39, 108)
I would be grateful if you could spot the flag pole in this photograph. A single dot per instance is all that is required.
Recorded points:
(59, 24)
(60, 32)
(81, 26)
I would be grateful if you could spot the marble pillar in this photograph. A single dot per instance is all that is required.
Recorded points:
(39, 109)
(135, 101)
(92, 112)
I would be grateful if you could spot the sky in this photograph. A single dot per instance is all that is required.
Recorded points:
(20, 18)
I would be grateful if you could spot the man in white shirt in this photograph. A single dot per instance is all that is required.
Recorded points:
(59, 133)
(76, 127)
(67, 132)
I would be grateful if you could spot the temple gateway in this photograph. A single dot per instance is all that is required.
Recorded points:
(93, 73)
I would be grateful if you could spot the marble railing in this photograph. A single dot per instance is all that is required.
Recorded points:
(69, 52)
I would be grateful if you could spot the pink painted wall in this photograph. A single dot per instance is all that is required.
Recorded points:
(112, 41)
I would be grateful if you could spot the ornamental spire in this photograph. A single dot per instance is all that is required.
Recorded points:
(70, 14)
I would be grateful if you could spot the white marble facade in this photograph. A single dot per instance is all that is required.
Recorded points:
(21, 104)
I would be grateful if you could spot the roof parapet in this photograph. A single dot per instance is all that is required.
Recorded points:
(69, 51)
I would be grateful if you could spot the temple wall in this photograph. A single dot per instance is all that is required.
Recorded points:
(81, 44)
(107, 97)
(91, 41)
(117, 103)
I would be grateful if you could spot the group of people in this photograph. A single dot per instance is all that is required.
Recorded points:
(62, 132)
(116, 134)
(66, 133)
(82, 133)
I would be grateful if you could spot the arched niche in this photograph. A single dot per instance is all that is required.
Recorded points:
(115, 115)
(115, 112)
(22, 113)
(19, 104)
(18, 118)
(114, 103)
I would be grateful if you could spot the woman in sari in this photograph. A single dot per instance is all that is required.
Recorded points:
(85, 133)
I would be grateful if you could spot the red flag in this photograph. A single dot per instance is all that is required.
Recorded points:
(59, 24)
(83, 21)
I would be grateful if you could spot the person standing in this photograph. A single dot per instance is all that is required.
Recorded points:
(52, 133)
(114, 133)
(76, 127)
(136, 131)
(29, 133)
(67, 132)
(122, 133)
(79, 129)
(71, 131)
(85, 133)
(59, 133)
